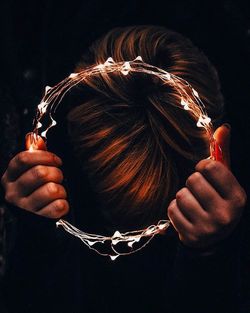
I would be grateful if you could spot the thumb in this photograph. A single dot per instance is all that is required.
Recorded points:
(222, 137)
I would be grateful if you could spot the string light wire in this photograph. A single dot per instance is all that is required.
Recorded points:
(190, 101)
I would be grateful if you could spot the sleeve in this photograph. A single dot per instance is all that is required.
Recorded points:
(208, 281)
(24, 229)
(37, 255)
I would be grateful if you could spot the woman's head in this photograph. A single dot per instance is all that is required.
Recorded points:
(134, 141)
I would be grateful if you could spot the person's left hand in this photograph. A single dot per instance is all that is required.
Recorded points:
(210, 206)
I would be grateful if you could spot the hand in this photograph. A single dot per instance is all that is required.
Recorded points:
(210, 206)
(32, 182)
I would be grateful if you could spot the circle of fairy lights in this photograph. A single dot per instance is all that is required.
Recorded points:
(190, 101)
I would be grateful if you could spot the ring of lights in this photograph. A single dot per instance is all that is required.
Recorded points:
(190, 101)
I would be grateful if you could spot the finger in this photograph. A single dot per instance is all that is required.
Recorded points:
(34, 142)
(219, 176)
(43, 196)
(179, 221)
(206, 195)
(36, 177)
(26, 159)
(222, 136)
(190, 207)
(55, 209)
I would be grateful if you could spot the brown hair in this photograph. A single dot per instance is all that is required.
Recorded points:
(135, 142)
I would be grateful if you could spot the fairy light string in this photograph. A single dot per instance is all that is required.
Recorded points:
(130, 238)
(190, 101)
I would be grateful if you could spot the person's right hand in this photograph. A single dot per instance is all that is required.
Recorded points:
(32, 182)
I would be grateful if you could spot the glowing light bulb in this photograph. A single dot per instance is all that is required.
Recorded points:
(126, 68)
(47, 88)
(185, 104)
(190, 101)
(129, 237)
(109, 61)
(161, 227)
(195, 93)
(139, 58)
(53, 123)
(116, 238)
(203, 121)
(117, 234)
(44, 133)
(113, 257)
(42, 107)
(73, 75)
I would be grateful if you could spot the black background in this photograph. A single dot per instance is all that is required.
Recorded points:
(41, 41)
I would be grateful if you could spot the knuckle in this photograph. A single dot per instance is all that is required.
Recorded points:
(171, 209)
(223, 219)
(9, 197)
(61, 206)
(40, 171)
(22, 158)
(52, 188)
(58, 209)
(51, 158)
(58, 175)
(211, 167)
(240, 198)
(194, 178)
(56, 159)
(24, 203)
(209, 230)
(181, 194)
(56, 190)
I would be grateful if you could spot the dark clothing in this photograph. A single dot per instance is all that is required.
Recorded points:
(50, 271)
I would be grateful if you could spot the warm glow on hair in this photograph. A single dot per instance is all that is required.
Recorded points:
(134, 141)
